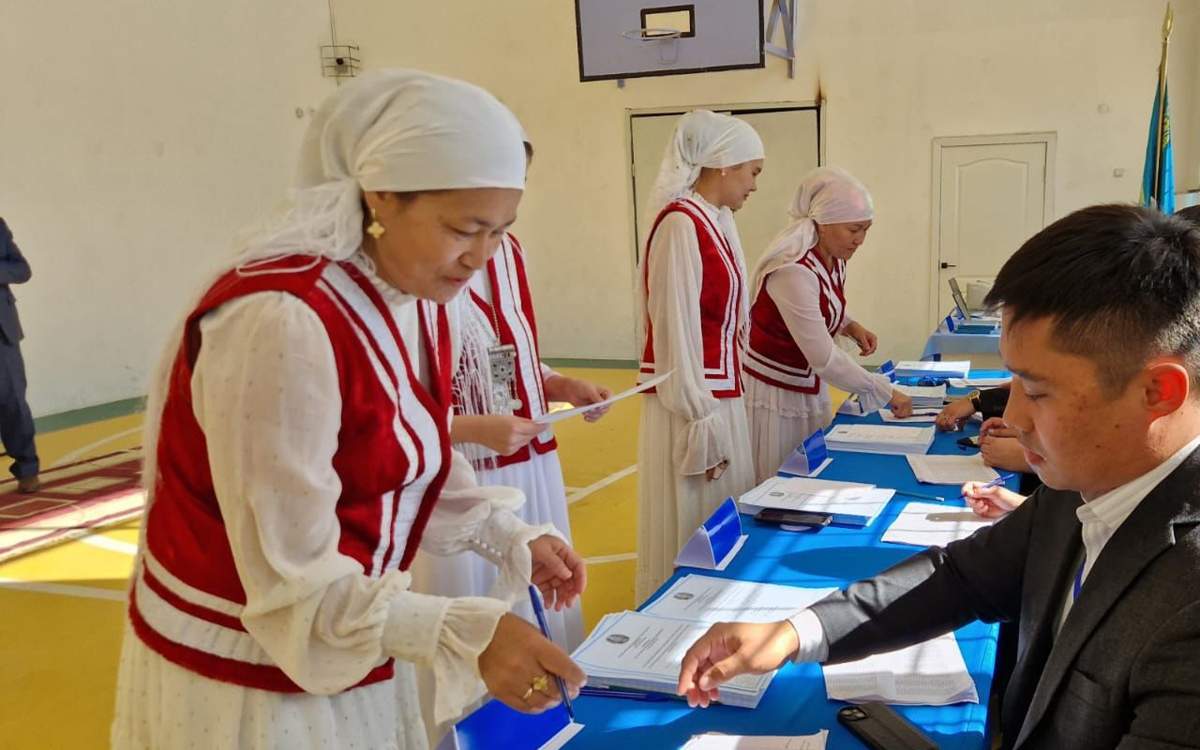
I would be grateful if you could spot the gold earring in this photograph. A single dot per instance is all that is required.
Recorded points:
(375, 229)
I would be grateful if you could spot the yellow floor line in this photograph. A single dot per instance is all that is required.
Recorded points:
(599, 559)
(79, 453)
(596, 486)
(63, 589)
(112, 545)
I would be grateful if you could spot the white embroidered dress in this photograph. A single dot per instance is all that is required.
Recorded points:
(265, 385)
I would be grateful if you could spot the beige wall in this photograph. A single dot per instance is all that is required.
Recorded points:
(895, 73)
(135, 138)
(138, 137)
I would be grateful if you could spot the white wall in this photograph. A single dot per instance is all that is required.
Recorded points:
(135, 138)
(896, 73)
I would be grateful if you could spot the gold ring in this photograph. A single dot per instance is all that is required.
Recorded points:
(541, 683)
(528, 693)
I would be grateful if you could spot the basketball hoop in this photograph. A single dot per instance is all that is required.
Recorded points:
(666, 39)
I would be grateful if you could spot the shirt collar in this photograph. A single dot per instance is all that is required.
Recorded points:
(1114, 506)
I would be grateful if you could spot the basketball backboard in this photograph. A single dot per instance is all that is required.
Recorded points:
(638, 38)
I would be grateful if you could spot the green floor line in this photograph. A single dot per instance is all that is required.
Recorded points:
(88, 414)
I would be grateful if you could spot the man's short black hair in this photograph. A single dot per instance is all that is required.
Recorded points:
(1191, 213)
(1121, 284)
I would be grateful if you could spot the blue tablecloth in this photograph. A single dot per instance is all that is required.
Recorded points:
(796, 702)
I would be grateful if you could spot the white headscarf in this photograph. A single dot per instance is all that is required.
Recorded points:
(387, 130)
(701, 139)
(827, 195)
(705, 139)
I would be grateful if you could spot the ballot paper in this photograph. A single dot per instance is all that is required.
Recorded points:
(918, 416)
(951, 469)
(712, 741)
(943, 368)
(870, 438)
(979, 382)
(849, 503)
(933, 524)
(558, 416)
(924, 396)
(709, 599)
(932, 673)
(641, 651)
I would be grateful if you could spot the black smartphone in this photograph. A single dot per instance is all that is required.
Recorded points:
(881, 728)
(969, 442)
(781, 517)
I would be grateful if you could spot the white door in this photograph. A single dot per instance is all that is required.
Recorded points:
(790, 138)
(990, 194)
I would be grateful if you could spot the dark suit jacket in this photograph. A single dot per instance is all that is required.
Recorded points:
(14, 269)
(1124, 670)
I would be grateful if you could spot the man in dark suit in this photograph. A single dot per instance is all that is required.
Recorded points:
(1100, 568)
(16, 421)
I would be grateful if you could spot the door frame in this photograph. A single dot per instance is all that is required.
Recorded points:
(940, 144)
(632, 198)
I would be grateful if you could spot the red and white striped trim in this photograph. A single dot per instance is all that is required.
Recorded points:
(724, 377)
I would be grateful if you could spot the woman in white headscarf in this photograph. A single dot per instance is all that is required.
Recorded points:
(298, 453)
(694, 448)
(799, 305)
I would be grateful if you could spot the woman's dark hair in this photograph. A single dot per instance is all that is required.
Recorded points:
(1121, 284)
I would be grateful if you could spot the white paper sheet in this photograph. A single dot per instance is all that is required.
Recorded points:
(924, 396)
(845, 501)
(955, 368)
(558, 416)
(712, 741)
(563, 737)
(951, 469)
(978, 382)
(918, 416)
(930, 524)
(871, 438)
(710, 599)
(932, 673)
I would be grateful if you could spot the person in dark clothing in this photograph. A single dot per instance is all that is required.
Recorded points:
(16, 421)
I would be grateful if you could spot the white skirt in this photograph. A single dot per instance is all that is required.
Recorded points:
(780, 420)
(468, 574)
(162, 706)
(671, 506)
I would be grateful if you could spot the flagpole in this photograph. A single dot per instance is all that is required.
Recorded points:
(1168, 23)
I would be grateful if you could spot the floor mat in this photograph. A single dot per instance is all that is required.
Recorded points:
(74, 500)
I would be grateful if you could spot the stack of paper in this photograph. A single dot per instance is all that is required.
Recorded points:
(644, 652)
(849, 503)
(710, 599)
(931, 524)
(979, 382)
(924, 396)
(943, 369)
(918, 416)
(713, 741)
(951, 469)
(932, 673)
(869, 438)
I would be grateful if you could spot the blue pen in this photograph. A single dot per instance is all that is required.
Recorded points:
(535, 596)
(994, 483)
(633, 695)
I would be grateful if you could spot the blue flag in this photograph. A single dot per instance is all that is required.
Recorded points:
(1160, 160)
